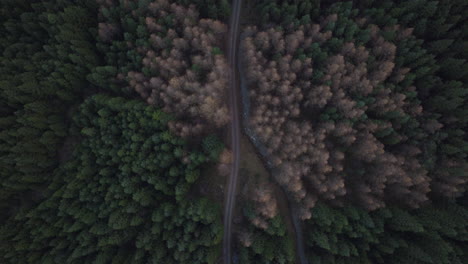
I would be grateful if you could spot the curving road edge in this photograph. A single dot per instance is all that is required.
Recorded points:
(235, 132)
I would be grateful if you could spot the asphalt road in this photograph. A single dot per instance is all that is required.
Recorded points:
(235, 133)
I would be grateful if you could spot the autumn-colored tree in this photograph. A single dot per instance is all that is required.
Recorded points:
(176, 63)
(335, 113)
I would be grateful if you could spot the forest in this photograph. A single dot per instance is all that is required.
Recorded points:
(116, 124)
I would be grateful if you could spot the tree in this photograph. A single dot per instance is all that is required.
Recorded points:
(118, 192)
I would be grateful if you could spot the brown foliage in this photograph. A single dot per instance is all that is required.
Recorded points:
(225, 160)
(331, 160)
(187, 78)
(245, 238)
(265, 204)
(107, 32)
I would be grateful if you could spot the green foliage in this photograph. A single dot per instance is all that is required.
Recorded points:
(214, 9)
(212, 146)
(442, 26)
(122, 198)
(433, 234)
(287, 12)
(437, 57)
(216, 51)
(124, 188)
(270, 245)
(47, 49)
(435, 53)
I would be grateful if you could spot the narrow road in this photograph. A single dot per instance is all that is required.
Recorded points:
(291, 208)
(235, 132)
(300, 251)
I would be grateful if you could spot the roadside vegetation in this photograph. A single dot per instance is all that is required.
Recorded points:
(362, 108)
(113, 115)
(90, 172)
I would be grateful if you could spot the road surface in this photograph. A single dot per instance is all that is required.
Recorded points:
(235, 146)
(290, 207)
(235, 132)
(298, 232)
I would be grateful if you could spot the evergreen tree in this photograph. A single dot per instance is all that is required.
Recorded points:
(122, 195)
(47, 49)
(433, 234)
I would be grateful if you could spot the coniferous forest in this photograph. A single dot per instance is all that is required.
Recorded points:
(117, 131)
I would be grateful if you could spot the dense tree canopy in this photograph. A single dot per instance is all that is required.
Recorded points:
(122, 198)
(346, 111)
(170, 56)
(46, 52)
(434, 234)
(268, 244)
(372, 95)
(111, 109)
(108, 185)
